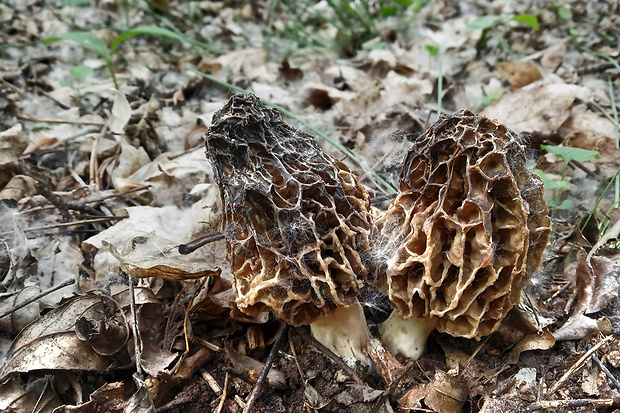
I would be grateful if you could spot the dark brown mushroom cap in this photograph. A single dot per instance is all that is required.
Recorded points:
(467, 229)
(296, 220)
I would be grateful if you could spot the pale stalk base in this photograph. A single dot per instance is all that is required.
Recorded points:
(406, 337)
(344, 332)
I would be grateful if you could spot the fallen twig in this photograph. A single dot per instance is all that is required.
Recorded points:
(36, 297)
(609, 374)
(552, 404)
(263, 374)
(220, 405)
(386, 393)
(576, 366)
(56, 121)
(332, 356)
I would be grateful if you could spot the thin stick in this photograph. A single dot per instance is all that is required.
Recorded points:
(36, 297)
(552, 404)
(290, 343)
(576, 366)
(263, 374)
(344, 366)
(381, 400)
(57, 122)
(608, 373)
(68, 224)
(220, 405)
(194, 244)
(136, 332)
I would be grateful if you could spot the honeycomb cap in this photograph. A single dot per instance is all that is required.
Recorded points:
(297, 221)
(467, 228)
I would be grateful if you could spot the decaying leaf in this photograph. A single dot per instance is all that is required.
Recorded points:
(535, 341)
(121, 112)
(38, 396)
(536, 108)
(519, 74)
(145, 258)
(445, 393)
(12, 144)
(18, 319)
(595, 288)
(54, 342)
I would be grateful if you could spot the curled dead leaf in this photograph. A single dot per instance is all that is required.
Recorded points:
(153, 261)
(53, 342)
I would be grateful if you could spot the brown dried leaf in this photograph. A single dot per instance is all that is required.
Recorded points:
(17, 320)
(537, 108)
(142, 260)
(596, 287)
(446, 393)
(543, 341)
(38, 396)
(389, 367)
(52, 341)
(519, 74)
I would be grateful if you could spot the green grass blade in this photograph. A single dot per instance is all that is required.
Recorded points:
(87, 40)
(150, 30)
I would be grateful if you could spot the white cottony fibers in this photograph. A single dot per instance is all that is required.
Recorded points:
(344, 332)
(407, 337)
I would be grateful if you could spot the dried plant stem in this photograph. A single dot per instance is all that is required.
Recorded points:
(381, 400)
(220, 405)
(68, 224)
(56, 121)
(36, 297)
(263, 374)
(331, 355)
(136, 331)
(554, 404)
(576, 366)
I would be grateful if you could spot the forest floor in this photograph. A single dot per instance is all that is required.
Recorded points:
(103, 175)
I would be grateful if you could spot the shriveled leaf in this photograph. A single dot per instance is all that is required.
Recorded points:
(121, 113)
(446, 393)
(87, 40)
(146, 257)
(358, 393)
(17, 320)
(37, 396)
(596, 288)
(534, 341)
(150, 30)
(52, 341)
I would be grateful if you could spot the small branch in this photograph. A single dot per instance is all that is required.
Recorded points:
(57, 122)
(67, 224)
(263, 374)
(332, 356)
(553, 404)
(577, 366)
(605, 370)
(220, 405)
(194, 244)
(36, 297)
(386, 393)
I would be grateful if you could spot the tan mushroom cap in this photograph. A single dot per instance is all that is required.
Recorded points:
(467, 229)
(296, 220)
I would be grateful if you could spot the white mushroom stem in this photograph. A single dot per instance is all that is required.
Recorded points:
(407, 337)
(344, 332)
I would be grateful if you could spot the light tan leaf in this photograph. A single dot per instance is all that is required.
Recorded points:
(536, 108)
(534, 341)
(121, 113)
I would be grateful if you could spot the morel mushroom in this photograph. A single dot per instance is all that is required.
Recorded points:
(464, 234)
(296, 222)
